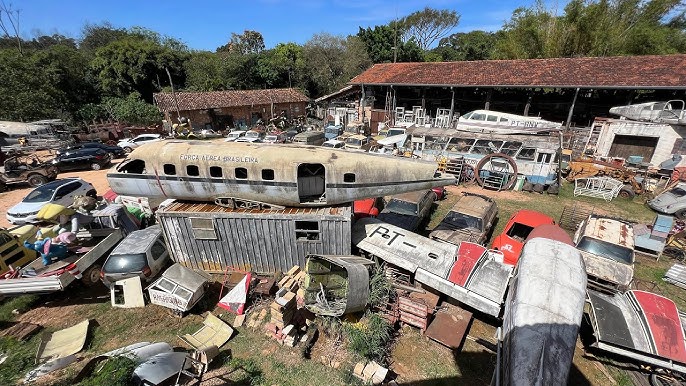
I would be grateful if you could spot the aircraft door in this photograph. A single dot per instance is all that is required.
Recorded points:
(311, 183)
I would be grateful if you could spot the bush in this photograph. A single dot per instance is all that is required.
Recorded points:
(116, 371)
(369, 338)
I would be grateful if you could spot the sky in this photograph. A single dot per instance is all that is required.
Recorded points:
(208, 24)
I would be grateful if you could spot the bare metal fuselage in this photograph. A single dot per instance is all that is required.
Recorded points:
(276, 174)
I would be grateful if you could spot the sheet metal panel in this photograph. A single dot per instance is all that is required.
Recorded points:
(665, 327)
(676, 275)
(257, 240)
(612, 326)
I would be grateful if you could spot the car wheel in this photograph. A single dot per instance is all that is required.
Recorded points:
(92, 275)
(36, 180)
(96, 166)
(681, 214)
(128, 150)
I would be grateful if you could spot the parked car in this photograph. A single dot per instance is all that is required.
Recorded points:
(82, 159)
(60, 191)
(279, 137)
(26, 169)
(142, 253)
(234, 135)
(607, 246)
(470, 219)
(115, 151)
(358, 142)
(245, 139)
(408, 210)
(368, 207)
(517, 229)
(131, 143)
(672, 201)
(334, 144)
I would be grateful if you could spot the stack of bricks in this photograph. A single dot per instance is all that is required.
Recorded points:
(293, 280)
(283, 308)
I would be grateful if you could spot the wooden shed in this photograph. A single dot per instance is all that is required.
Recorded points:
(212, 238)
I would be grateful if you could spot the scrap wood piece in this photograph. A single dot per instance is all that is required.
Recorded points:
(63, 343)
(21, 330)
(214, 332)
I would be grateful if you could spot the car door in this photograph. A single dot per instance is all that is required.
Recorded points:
(64, 195)
(68, 161)
(159, 256)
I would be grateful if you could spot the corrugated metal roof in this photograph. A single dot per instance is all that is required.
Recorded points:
(232, 98)
(642, 72)
(201, 207)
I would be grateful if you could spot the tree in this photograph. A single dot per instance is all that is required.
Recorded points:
(94, 36)
(249, 42)
(428, 26)
(208, 71)
(382, 45)
(9, 24)
(132, 109)
(289, 62)
(474, 45)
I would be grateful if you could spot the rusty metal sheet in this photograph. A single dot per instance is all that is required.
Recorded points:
(21, 330)
(450, 325)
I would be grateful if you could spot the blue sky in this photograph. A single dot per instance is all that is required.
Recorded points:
(208, 24)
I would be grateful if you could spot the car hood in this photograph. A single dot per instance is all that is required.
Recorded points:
(662, 201)
(455, 235)
(608, 270)
(26, 207)
(510, 248)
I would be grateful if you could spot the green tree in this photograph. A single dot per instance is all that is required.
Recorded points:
(289, 62)
(94, 36)
(474, 45)
(208, 71)
(427, 26)
(132, 109)
(383, 44)
(249, 42)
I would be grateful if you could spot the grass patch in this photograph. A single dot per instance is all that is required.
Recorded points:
(21, 303)
(245, 371)
(20, 358)
(115, 372)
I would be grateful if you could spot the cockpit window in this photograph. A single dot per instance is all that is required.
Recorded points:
(135, 166)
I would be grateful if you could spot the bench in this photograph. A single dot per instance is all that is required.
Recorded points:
(600, 187)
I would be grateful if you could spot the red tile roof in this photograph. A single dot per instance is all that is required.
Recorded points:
(642, 72)
(233, 98)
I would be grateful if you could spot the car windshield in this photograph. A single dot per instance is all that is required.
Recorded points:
(607, 250)
(393, 132)
(44, 193)
(402, 207)
(678, 192)
(252, 134)
(353, 142)
(519, 231)
(125, 263)
(461, 220)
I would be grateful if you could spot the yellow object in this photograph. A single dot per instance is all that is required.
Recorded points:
(50, 212)
(214, 332)
(25, 233)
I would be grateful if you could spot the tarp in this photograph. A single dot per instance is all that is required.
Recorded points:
(234, 301)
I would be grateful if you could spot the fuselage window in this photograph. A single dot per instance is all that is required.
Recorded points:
(349, 177)
(216, 172)
(241, 173)
(267, 174)
(169, 169)
(135, 166)
(192, 170)
(527, 153)
(492, 118)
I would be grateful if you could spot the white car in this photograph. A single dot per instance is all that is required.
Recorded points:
(60, 191)
(334, 144)
(234, 135)
(131, 143)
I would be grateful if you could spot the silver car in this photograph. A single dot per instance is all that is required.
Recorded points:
(142, 253)
(62, 191)
(672, 201)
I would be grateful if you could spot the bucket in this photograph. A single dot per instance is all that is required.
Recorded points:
(521, 178)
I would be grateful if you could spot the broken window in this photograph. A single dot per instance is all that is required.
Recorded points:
(510, 148)
(544, 158)
(485, 146)
(216, 172)
(306, 230)
(268, 174)
(460, 145)
(192, 170)
(135, 166)
(349, 177)
(203, 228)
(169, 169)
(527, 153)
(241, 173)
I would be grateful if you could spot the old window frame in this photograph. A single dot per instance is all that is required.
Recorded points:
(307, 230)
(203, 228)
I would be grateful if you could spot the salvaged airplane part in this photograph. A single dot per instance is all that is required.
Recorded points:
(672, 112)
(137, 352)
(471, 274)
(58, 349)
(542, 314)
(486, 121)
(275, 174)
(214, 332)
(336, 285)
(179, 288)
(160, 368)
(638, 325)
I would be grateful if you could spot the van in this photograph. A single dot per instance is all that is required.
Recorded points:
(315, 138)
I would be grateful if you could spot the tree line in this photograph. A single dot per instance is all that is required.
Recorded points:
(111, 72)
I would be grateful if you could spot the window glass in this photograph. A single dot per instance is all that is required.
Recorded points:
(492, 118)
(349, 177)
(460, 145)
(478, 117)
(510, 148)
(527, 153)
(158, 249)
(607, 250)
(486, 146)
(544, 158)
(169, 169)
(66, 189)
(268, 174)
(192, 170)
(241, 173)
(216, 172)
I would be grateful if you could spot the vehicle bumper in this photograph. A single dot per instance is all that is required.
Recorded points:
(21, 220)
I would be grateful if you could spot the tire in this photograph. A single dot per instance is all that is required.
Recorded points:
(36, 180)
(95, 166)
(92, 193)
(128, 150)
(626, 192)
(91, 276)
(680, 214)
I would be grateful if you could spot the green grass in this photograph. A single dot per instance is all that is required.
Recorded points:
(20, 303)
(20, 358)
